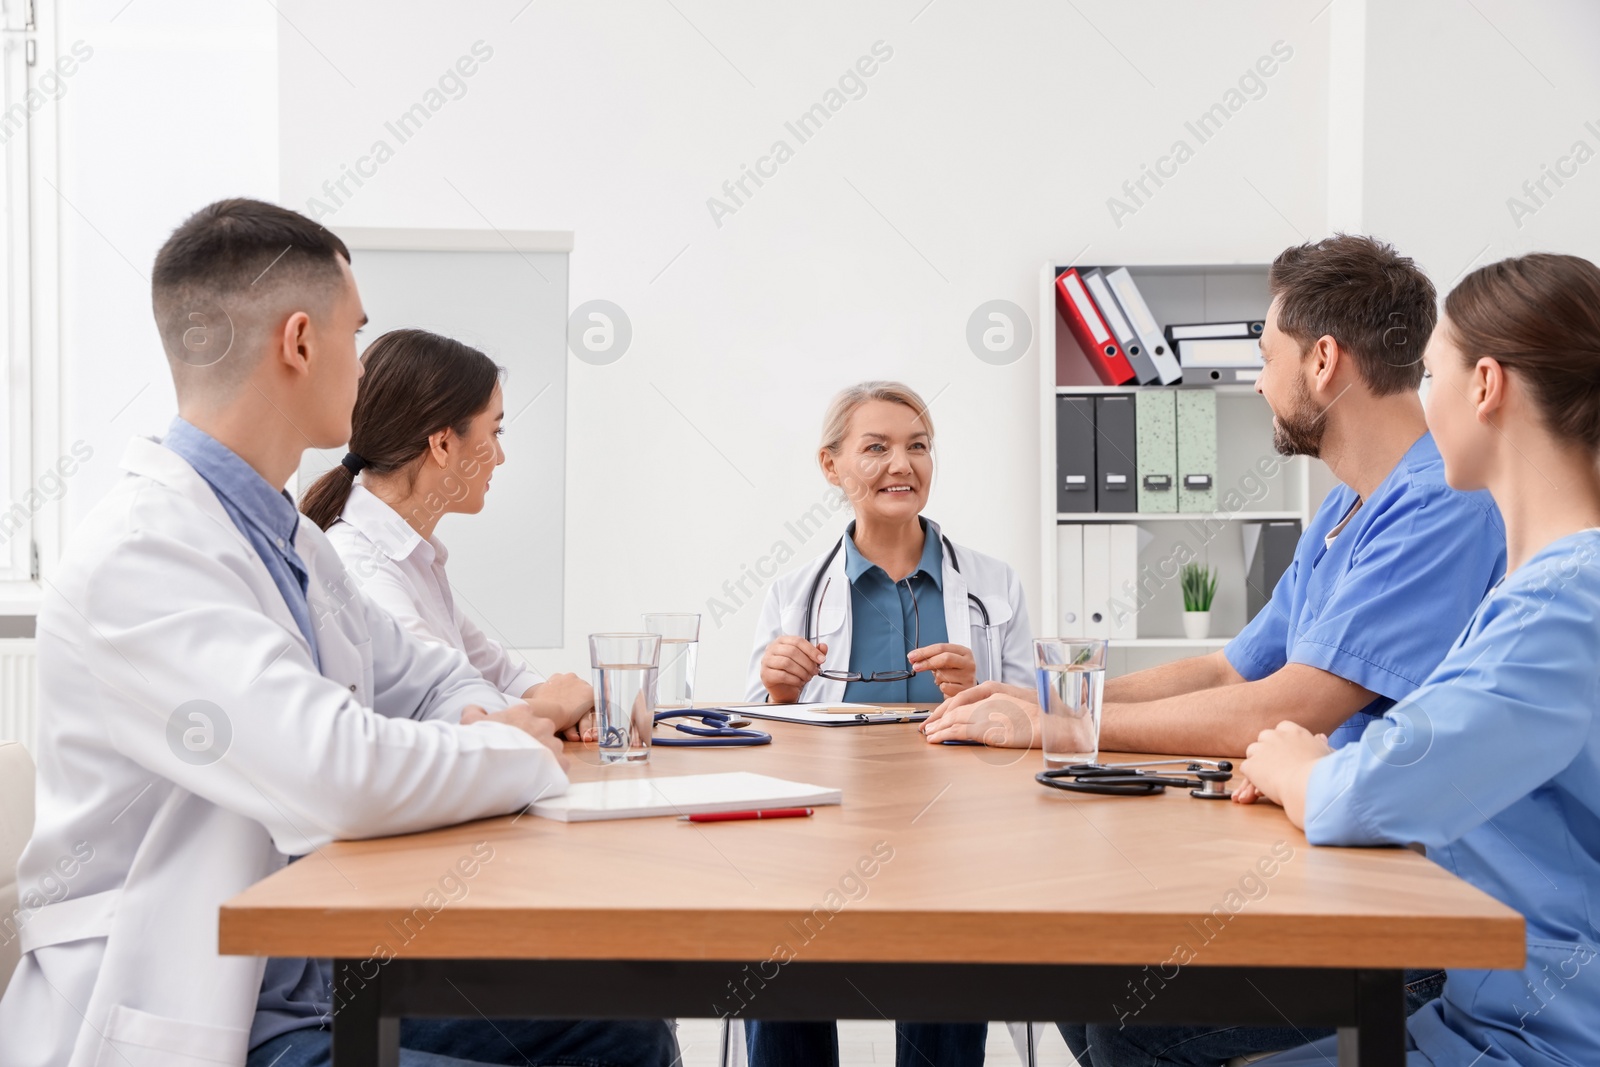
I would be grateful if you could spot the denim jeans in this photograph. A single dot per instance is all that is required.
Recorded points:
(1208, 1046)
(1321, 1053)
(817, 1044)
(459, 1042)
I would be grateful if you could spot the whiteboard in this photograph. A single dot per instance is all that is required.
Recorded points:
(504, 293)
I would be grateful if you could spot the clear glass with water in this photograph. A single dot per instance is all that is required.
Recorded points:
(624, 694)
(1071, 675)
(680, 644)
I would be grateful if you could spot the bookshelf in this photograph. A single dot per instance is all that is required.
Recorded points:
(1177, 516)
(1175, 293)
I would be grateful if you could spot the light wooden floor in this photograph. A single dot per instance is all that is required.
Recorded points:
(862, 1043)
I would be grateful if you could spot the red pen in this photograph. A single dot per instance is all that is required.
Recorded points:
(731, 816)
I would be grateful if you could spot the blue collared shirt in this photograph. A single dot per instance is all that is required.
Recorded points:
(1382, 604)
(295, 993)
(266, 516)
(884, 626)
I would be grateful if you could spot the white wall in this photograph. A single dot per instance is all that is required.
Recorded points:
(989, 142)
(1454, 129)
(176, 107)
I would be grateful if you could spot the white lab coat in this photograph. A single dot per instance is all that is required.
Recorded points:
(162, 601)
(1003, 650)
(403, 573)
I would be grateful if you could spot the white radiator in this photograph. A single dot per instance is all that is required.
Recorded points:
(19, 691)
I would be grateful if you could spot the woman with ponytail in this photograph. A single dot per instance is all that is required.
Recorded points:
(424, 443)
(1493, 765)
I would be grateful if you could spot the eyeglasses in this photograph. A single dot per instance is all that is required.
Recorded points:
(875, 676)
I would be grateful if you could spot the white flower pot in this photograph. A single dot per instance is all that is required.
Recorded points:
(1197, 625)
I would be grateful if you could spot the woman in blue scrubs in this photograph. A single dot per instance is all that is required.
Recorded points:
(1494, 763)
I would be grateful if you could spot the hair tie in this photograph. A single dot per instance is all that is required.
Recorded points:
(353, 463)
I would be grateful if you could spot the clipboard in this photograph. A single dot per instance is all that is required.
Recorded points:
(815, 715)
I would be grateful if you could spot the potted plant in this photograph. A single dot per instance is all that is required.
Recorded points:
(1199, 588)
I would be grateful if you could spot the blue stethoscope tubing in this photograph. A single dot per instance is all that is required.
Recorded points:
(955, 565)
(714, 731)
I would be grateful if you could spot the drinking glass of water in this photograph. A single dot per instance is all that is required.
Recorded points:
(624, 694)
(680, 641)
(1071, 674)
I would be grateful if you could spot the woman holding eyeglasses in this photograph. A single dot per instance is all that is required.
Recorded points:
(893, 612)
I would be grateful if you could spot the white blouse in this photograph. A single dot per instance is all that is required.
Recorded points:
(404, 574)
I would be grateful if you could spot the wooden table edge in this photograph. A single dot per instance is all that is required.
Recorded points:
(1349, 940)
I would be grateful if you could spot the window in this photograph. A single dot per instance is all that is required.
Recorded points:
(29, 86)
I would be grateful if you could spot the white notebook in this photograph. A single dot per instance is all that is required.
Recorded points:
(685, 794)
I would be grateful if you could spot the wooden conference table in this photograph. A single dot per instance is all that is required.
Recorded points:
(948, 886)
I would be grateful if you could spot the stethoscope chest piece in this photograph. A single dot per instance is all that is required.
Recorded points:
(1213, 784)
(1206, 779)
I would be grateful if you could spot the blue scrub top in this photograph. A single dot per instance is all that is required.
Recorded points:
(884, 628)
(1382, 605)
(1494, 766)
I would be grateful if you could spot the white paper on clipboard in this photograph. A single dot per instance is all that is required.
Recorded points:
(831, 714)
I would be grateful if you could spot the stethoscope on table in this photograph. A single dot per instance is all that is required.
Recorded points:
(1209, 782)
(717, 729)
(822, 571)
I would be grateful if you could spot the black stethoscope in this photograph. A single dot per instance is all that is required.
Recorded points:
(816, 583)
(717, 729)
(1209, 781)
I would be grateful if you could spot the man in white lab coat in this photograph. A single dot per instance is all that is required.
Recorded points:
(215, 700)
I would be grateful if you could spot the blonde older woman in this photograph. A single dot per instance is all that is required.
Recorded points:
(893, 612)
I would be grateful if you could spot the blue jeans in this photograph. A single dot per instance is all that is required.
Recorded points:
(817, 1044)
(1321, 1053)
(458, 1042)
(1208, 1046)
